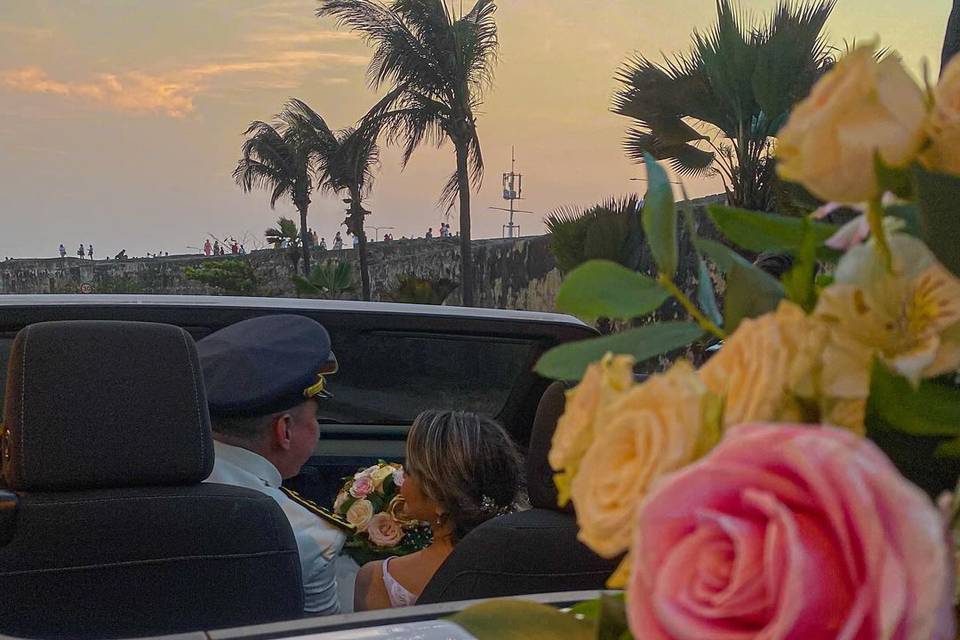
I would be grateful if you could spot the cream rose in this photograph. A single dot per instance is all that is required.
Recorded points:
(655, 428)
(860, 108)
(766, 365)
(602, 383)
(384, 531)
(359, 514)
(381, 474)
(943, 123)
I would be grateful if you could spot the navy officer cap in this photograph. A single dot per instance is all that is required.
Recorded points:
(264, 365)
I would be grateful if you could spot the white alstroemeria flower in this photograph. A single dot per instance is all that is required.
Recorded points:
(908, 317)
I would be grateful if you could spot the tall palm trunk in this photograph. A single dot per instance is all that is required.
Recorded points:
(466, 248)
(951, 41)
(356, 212)
(304, 237)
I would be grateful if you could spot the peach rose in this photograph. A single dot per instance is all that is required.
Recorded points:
(790, 531)
(943, 123)
(653, 429)
(586, 403)
(359, 514)
(861, 108)
(766, 365)
(384, 531)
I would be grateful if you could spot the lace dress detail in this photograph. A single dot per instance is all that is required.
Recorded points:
(398, 594)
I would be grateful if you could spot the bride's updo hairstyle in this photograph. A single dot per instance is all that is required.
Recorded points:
(467, 464)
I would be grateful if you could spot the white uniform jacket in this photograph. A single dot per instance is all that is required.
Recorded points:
(319, 543)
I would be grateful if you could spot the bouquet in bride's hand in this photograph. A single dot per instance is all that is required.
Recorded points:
(370, 501)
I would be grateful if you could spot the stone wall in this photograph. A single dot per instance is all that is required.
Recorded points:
(511, 273)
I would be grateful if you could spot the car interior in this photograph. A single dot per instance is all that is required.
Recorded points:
(108, 530)
(104, 512)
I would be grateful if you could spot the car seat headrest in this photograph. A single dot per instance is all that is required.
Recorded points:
(540, 486)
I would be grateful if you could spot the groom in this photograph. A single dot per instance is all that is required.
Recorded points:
(264, 378)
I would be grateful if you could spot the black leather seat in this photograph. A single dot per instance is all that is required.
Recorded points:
(533, 551)
(106, 529)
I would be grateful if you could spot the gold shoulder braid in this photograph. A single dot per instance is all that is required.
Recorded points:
(324, 514)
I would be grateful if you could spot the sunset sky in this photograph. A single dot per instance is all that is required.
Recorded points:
(121, 121)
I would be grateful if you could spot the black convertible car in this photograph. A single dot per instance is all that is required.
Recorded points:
(120, 540)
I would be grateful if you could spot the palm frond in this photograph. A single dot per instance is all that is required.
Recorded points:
(601, 231)
(398, 52)
(740, 78)
(438, 64)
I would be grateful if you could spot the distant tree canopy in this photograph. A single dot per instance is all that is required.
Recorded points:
(413, 289)
(232, 277)
(330, 279)
(607, 231)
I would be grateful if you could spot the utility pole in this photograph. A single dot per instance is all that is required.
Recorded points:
(512, 191)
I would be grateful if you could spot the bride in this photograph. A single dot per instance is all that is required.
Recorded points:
(461, 470)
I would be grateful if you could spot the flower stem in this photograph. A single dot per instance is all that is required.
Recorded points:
(875, 218)
(691, 308)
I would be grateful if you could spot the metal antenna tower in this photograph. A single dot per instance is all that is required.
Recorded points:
(512, 191)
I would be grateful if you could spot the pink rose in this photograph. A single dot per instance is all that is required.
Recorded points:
(362, 487)
(398, 477)
(384, 531)
(790, 532)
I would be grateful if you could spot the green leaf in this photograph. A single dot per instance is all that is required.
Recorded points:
(723, 256)
(522, 620)
(706, 296)
(909, 214)
(569, 361)
(950, 449)
(750, 293)
(937, 196)
(799, 282)
(930, 409)
(612, 623)
(758, 232)
(604, 289)
(588, 609)
(893, 179)
(660, 218)
(917, 427)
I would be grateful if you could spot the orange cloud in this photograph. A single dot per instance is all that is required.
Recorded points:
(302, 37)
(172, 94)
(134, 92)
(282, 61)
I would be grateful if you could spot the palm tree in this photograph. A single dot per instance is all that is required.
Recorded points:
(607, 231)
(438, 65)
(343, 162)
(277, 158)
(329, 279)
(411, 289)
(285, 236)
(717, 109)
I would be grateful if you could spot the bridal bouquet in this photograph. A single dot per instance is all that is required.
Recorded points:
(773, 492)
(370, 501)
